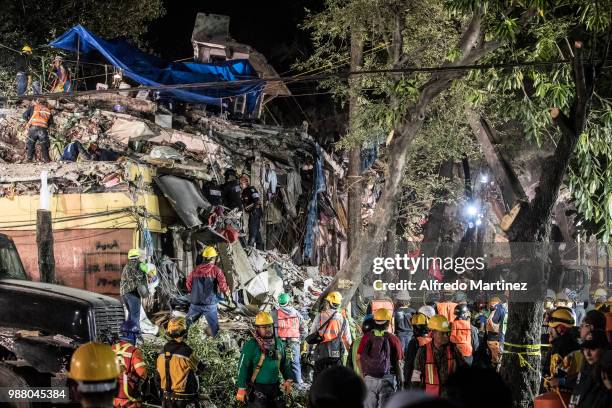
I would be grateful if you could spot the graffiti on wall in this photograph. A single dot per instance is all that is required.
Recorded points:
(103, 268)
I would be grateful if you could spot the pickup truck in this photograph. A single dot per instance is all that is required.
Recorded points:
(42, 324)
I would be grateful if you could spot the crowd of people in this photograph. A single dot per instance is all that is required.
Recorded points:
(398, 357)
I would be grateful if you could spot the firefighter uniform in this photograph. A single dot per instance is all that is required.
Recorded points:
(133, 370)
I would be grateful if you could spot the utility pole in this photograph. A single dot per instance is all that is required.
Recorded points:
(354, 164)
(44, 234)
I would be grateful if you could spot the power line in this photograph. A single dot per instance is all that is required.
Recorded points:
(310, 78)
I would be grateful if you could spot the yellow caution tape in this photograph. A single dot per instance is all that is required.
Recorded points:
(531, 350)
(527, 346)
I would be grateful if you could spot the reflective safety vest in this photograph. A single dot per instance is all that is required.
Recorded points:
(490, 326)
(461, 335)
(385, 304)
(432, 380)
(132, 369)
(423, 340)
(333, 329)
(40, 117)
(288, 325)
(447, 309)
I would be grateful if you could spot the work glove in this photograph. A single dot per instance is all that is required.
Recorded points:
(241, 395)
(286, 386)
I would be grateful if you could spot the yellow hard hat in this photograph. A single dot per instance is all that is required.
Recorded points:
(94, 362)
(439, 323)
(600, 293)
(209, 252)
(419, 319)
(26, 48)
(134, 253)
(494, 301)
(177, 326)
(263, 319)
(382, 315)
(561, 317)
(334, 298)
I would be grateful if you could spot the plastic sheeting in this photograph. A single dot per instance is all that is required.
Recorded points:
(318, 187)
(151, 71)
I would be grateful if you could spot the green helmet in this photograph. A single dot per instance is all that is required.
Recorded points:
(283, 299)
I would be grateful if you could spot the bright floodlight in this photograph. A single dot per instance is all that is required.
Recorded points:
(471, 210)
(478, 222)
(484, 178)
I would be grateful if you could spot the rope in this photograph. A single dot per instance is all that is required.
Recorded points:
(531, 350)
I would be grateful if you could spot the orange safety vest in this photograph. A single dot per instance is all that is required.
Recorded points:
(385, 304)
(333, 329)
(423, 340)
(432, 380)
(447, 309)
(288, 325)
(461, 335)
(40, 116)
(132, 368)
(609, 326)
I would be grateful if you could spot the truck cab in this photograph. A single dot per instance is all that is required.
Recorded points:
(41, 324)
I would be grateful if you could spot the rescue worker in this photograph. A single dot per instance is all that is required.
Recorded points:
(23, 70)
(380, 359)
(428, 311)
(290, 327)
(62, 81)
(132, 366)
(230, 191)
(594, 320)
(38, 117)
(495, 330)
(403, 314)
(93, 375)
(463, 334)
(589, 391)
(177, 367)
(382, 302)
(204, 283)
(446, 308)
(549, 301)
(132, 286)
(333, 327)
(251, 202)
(366, 326)
(563, 300)
(598, 298)
(436, 360)
(562, 343)
(421, 337)
(263, 361)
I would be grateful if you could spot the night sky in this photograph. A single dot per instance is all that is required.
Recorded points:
(270, 26)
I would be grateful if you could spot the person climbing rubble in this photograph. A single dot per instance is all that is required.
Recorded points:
(133, 286)
(204, 283)
(177, 367)
(290, 327)
(62, 81)
(132, 365)
(263, 362)
(251, 202)
(230, 191)
(23, 77)
(39, 118)
(330, 333)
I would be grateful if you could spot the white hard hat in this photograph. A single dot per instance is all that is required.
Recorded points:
(427, 311)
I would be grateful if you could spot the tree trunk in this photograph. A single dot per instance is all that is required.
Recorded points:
(44, 241)
(354, 164)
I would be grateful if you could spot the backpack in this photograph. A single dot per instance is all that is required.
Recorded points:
(376, 356)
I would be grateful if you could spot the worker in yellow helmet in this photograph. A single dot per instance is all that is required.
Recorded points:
(380, 359)
(177, 367)
(421, 336)
(437, 360)
(94, 372)
(133, 287)
(263, 361)
(330, 333)
(563, 341)
(23, 70)
(205, 283)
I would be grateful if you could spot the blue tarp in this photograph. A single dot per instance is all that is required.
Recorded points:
(151, 71)
(313, 216)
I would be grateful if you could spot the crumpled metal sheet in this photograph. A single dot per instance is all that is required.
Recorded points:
(185, 197)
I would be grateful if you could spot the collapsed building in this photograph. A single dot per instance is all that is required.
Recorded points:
(157, 196)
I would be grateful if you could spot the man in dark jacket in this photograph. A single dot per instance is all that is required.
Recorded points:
(590, 391)
(204, 283)
(23, 69)
(230, 191)
(251, 201)
(403, 314)
(133, 283)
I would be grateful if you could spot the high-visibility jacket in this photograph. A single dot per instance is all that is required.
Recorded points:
(133, 368)
(423, 340)
(447, 309)
(288, 325)
(40, 116)
(461, 335)
(385, 304)
(432, 380)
